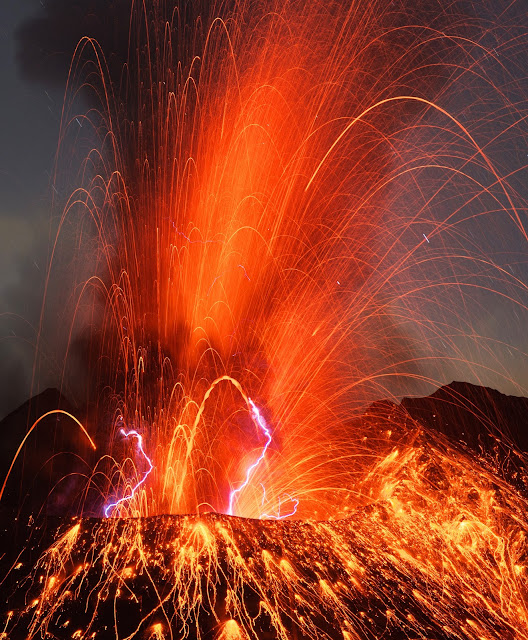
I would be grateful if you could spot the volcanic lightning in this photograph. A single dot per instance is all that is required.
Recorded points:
(112, 506)
(260, 422)
(251, 274)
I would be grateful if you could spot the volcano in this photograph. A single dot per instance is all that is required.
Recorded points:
(442, 556)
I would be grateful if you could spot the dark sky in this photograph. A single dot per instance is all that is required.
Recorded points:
(29, 117)
(492, 331)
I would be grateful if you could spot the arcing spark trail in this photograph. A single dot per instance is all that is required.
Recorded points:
(389, 570)
(292, 217)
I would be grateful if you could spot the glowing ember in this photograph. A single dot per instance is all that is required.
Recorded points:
(279, 198)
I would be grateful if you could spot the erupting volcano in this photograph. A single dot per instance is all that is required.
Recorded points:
(282, 212)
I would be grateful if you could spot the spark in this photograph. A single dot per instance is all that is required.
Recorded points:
(145, 476)
(245, 272)
(385, 506)
(213, 283)
(180, 233)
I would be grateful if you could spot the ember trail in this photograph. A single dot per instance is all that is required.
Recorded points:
(284, 218)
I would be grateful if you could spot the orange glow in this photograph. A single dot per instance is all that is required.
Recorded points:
(262, 211)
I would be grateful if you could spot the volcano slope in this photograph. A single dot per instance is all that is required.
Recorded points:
(434, 547)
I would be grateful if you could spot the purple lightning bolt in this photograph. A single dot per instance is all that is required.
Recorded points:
(151, 466)
(261, 423)
(279, 516)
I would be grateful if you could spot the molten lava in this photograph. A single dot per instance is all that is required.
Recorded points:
(266, 197)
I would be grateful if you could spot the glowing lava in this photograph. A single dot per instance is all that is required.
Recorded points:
(284, 208)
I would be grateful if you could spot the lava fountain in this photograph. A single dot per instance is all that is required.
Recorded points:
(260, 205)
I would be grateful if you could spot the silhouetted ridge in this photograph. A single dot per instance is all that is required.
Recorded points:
(41, 476)
(477, 416)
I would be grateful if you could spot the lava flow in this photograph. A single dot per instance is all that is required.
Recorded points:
(282, 216)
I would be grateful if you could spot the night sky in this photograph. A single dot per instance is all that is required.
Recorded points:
(28, 133)
(32, 92)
